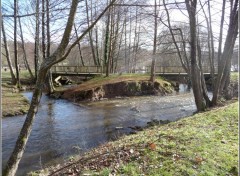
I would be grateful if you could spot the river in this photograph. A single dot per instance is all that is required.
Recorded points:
(62, 129)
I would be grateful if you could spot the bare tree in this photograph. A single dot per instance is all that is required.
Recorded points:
(225, 59)
(195, 69)
(36, 49)
(152, 78)
(49, 82)
(79, 46)
(90, 32)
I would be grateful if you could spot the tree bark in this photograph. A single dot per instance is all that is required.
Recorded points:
(225, 59)
(46, 49)
(12, 164)
(36, 47)
(90, 35)
(59, 55)
(210, 42)
(195, 70)
(43, 30)
(152, 78)
(15, 44)
(106, 45)
(79, 47)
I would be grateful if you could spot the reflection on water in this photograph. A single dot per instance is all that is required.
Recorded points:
(60, 126)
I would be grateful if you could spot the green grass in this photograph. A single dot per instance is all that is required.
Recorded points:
(13, 102)
(204, 144)
(234, 76)
(24, 74)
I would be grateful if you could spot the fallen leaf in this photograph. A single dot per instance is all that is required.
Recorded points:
(198, 160)
(152, 146)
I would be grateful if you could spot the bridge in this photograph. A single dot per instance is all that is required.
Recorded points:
(98, 70)
(76, 70)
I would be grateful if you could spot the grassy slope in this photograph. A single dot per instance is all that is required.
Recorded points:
(203, 144)
(13, 102)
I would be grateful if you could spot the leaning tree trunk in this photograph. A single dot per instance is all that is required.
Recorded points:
(59, 55)
(20, 146)
(12, 164)
(8, 55)
(79, 47)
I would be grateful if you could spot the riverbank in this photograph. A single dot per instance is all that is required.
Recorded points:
(203, 144)
(13, 102)
(126, 85)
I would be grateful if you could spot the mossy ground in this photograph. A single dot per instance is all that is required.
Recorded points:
(13, 102)
(203, 144)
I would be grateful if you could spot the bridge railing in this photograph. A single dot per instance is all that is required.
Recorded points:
(76, 69)
(174, 69)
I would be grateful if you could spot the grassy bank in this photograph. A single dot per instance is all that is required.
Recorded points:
(203, 144)
(102, 80)
(13, 102)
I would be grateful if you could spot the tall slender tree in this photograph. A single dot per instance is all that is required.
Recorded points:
(16, 45)
(152, 78)
(36, 47)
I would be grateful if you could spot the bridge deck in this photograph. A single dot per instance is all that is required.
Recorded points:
(98, 70)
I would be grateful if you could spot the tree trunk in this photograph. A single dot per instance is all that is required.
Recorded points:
(8, 55)
(24, 51)
(43, 30)
(49, 82)
(106, 45)
(204, 87)
(90, 36)
(12, 164)
(225, 59)
(195, 70)
(152, 78)
(97, 47)
(210, 42)
(36, 48)
(221, 34)
(79, 47)
(15, 44)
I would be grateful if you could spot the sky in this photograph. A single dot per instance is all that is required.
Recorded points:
(147, 26)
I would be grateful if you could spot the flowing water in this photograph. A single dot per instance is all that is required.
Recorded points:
(62, 129)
